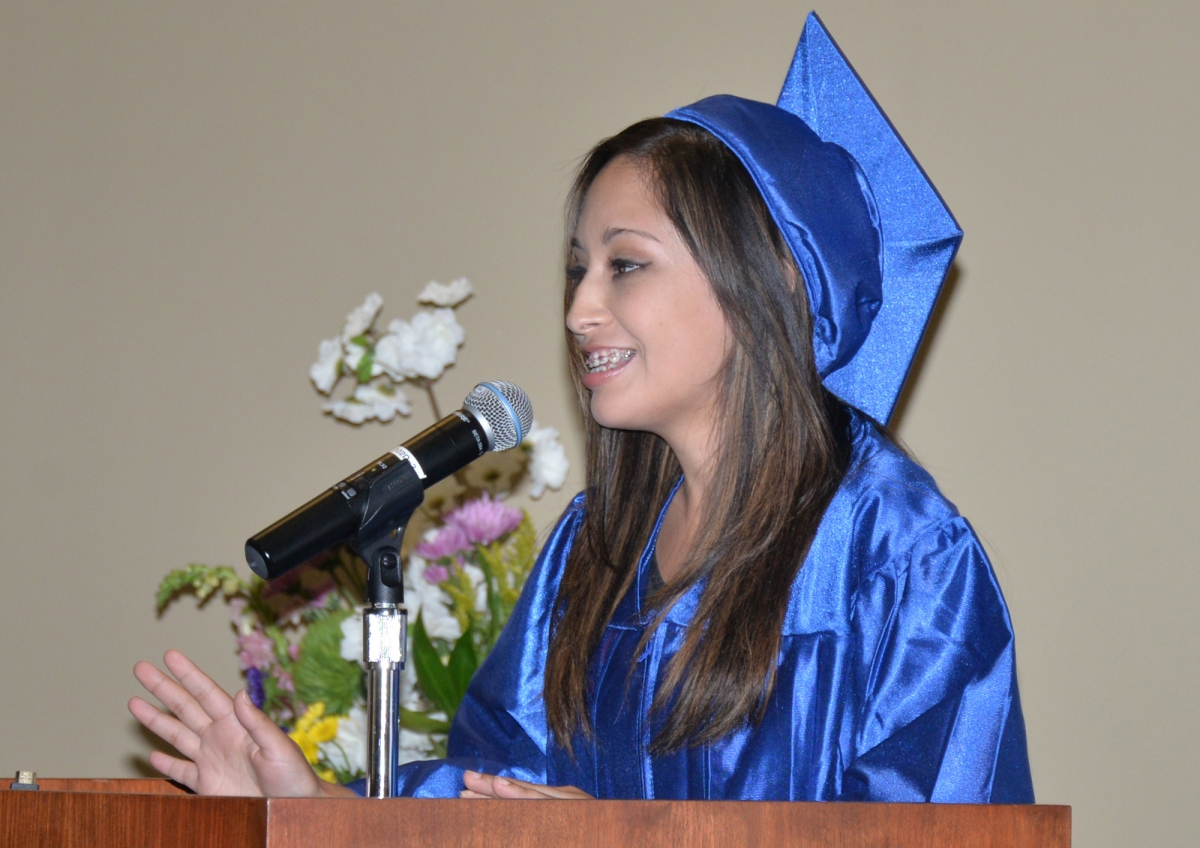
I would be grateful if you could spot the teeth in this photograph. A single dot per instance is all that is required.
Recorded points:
(603, 360)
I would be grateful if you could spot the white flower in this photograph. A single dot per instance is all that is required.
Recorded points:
(348, 410)
(328, 367)
(348, 750)
(414, 746)
(427, 600)
(450, 294)
(353, 354)
(370, 400)
(548, 466)
(385, 399)
(410, 693)
(475, 574)
(351, 649)
(360, 319)
(421, 349)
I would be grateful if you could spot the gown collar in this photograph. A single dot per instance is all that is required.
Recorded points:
(685, 607)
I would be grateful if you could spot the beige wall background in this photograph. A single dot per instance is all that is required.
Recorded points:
(192, 196)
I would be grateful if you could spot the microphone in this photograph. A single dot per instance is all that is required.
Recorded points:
(495, 416)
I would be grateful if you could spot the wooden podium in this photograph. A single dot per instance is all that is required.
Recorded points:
(137, 813)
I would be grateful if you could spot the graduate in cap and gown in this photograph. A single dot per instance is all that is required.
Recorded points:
(758, 595)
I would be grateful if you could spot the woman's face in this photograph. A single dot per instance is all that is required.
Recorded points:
(645, 316)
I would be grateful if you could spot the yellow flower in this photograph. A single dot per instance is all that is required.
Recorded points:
(312, 729)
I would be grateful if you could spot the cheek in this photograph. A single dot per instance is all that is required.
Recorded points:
(702, 339)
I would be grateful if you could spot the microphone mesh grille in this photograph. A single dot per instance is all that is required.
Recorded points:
(505, 408)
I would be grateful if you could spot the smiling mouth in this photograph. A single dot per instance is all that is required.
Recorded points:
(600, 361)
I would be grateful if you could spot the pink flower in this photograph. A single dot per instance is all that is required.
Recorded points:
(255, 650)
(294, 651)
(449, 540)
(237, 607)
(436, 574)
(283, 679)
(323, 594)
(483, 521)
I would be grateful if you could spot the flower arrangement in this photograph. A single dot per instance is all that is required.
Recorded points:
(299, 638)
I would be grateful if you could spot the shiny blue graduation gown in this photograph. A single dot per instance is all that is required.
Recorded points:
(896, 679)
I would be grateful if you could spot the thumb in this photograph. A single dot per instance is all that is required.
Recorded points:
(264, 732)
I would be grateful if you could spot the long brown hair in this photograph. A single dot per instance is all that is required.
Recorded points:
(783, 443)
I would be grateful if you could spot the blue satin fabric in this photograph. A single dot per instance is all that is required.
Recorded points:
(896, 675)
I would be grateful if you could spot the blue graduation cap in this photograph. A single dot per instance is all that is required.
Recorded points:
(870, 233)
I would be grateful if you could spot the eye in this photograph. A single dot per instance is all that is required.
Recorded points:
(575, 274)
(620, 267)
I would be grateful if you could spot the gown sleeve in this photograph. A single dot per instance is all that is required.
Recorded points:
(500, 727)
(939, 714)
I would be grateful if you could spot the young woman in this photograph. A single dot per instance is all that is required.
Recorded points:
(758, 596)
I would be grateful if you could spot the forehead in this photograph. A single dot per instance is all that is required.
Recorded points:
(621, 197)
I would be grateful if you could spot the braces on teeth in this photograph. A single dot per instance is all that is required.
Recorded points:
(604, 360)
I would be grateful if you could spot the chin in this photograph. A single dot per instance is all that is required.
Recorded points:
(614, 417)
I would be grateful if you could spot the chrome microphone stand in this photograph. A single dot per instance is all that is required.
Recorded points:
(385, 638)
(385, 630)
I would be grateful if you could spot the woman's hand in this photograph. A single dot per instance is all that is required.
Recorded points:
(490, 786)
(231, 747)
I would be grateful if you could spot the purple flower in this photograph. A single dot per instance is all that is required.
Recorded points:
(255, 650)
(254, 687)
(436, 574)
(449, 541)
(483, 521)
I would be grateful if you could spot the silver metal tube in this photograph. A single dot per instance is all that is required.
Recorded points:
(385, 638)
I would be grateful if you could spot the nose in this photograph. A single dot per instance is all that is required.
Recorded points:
(587, 311)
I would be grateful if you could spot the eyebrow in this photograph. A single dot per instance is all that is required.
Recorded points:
(612, 232)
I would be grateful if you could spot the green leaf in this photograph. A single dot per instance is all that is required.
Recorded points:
(363, 371)
(199, 580)
(275, 699)
(320, 672)
(488, 566)
(280, 641)
(422, 723)
(462, 665)
(434, 678)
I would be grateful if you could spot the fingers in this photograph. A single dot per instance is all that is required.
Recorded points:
(214, 700)
(166, 727)
(180, 771)
(493, 786)
(173, 696)
(478, 785)
(510, 787)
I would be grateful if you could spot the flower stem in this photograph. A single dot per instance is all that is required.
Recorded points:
(428, 386)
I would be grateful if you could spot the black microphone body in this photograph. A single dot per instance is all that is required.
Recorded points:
(373, 498)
